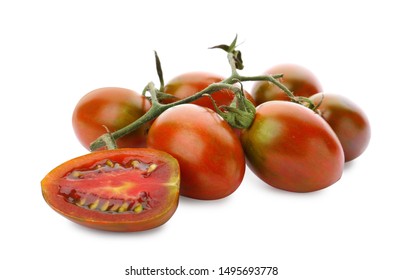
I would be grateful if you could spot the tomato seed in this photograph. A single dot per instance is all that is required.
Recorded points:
(138, 208)
(136, 164)
(109, 163)
(123, 207)
(104, 206)
(92, 202)
(151, 168)
(81, 201)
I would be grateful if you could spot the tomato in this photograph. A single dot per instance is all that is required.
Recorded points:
(188, 84)
(298, 79)
(113, 108)
(292, 148)
(348, 121)
(210, 155)
(115, 190)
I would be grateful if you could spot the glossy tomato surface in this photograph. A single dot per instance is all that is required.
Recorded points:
(115, 190)
(210, 155)
(112, 108)
(188, 84)
(292, 148)
(348, 121)
(298, 79)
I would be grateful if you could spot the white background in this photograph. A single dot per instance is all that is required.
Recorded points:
(53, 52)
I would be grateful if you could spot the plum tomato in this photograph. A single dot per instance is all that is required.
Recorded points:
(210, 155)
(348, 121)
(188, 84)
(298, 79)
(130, 189)
(113, 108)
(290, 147)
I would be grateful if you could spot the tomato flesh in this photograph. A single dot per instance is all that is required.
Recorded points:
(290, 147)
(117, 190)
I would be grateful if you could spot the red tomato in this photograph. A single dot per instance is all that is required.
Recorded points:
(290, 147)
(113, 108)
(115, 190)
(188, 84)
(348, 121)
(210, 155)
(299, 80)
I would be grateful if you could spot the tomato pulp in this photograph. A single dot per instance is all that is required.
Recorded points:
(290, 147)
(115, 190)
(210, 154)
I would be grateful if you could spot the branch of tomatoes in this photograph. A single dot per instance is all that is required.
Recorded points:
(239, 114)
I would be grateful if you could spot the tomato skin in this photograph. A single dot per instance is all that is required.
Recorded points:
(210, 155)
(298, 79)
(290, 147)
(114, 108)
(188, 84)
(101, 185)
(348, 121)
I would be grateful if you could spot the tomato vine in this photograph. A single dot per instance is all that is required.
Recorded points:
(239, 114)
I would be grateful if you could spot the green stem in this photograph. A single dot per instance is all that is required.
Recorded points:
(156, 109)
(242, 116)
(273, 79)
(208, 90)
(235, 77)
(231, 60)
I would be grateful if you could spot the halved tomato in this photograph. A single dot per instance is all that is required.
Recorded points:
(115, 190)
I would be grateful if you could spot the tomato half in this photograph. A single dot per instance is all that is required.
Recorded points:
(115, 190)
(210, 155)
(188, 84)
(290, 147)
(298, 79)
(348, 121)
(113, 108)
